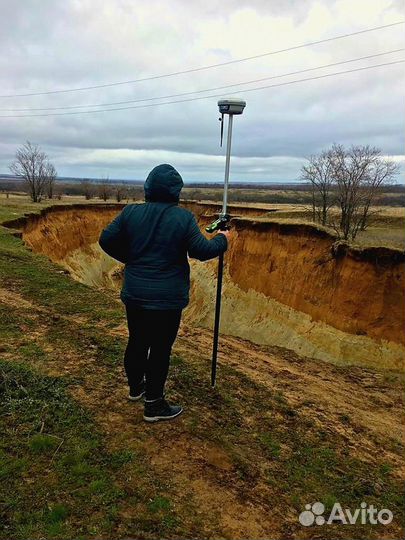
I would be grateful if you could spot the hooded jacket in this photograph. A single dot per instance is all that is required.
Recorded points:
(153, 240)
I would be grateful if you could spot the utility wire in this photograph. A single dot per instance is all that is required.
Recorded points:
(206, 97)
(68, 107)
(193, 70)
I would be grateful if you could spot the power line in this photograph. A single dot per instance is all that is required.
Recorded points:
(205, 97)
(193, 70)
(69, 107)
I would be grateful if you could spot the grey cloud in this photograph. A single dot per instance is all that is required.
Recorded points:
(70, 44)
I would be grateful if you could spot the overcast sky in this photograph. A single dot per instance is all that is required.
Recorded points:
(48, 45)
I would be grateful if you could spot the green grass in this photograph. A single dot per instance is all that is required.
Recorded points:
(36, 278)
(63, 483)
(14, 208)
(272, 447)
(43, 444)
(60, 464)
(17, 206)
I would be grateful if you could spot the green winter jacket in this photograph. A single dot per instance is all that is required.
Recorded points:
(153, 240)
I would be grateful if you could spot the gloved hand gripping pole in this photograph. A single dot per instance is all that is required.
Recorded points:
(229, 107)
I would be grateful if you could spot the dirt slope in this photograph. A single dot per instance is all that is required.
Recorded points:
(286, 284)
(360, 409)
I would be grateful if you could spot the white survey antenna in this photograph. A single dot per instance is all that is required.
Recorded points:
(231, 106)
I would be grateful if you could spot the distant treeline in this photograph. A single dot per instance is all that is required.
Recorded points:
(290, 186)
(284, 195)
(257, 193)
(104, 189)
(108, 190)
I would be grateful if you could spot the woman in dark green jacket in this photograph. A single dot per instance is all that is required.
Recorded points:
(153, 240)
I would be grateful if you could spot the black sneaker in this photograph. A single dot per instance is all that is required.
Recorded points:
(160, 410)
(135, 394)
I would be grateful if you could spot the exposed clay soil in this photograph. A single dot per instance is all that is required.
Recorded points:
(333, 302)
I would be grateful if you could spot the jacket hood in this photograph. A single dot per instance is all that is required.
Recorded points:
(163, 184)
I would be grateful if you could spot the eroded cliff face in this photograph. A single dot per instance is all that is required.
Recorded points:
(360, 292)
(68, 235)
(285, 284)
(59, 230)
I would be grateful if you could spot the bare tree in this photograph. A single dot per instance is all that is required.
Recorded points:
(360, 174)
(87, 189)
(318, 173)
(104, 189)
(120, 192)
(379, 176)
(50, 174)
(351, 179)
(34, 167)
(134, 193)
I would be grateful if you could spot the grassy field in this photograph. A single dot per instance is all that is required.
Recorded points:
(16, 206)
(293, 194)
(77, 461)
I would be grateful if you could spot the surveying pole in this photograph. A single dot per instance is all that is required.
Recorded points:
(228, 107)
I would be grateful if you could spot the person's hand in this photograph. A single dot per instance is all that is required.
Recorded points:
(227, 233)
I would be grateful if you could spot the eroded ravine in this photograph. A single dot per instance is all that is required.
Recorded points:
(285, 284)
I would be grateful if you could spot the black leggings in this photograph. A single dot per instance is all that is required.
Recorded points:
(151, 336)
